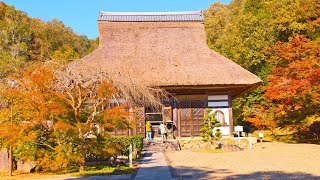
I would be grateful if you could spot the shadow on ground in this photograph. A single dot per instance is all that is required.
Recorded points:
(273, 175)
(225, 174)
(186, 173)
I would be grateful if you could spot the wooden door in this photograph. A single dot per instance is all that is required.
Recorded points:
(191, 116)
(139, 120)
(197, 119)
(185, 122)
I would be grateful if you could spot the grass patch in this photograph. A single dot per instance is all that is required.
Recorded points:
(105, 170)
(27, 175)
(208, 151)
(278, 135)
(93, 170)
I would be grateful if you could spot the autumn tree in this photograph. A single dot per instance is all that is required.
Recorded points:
(36, 108)
(89, 95)
(294, 83)
(58, 126)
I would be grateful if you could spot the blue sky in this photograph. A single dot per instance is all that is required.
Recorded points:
(81, 15)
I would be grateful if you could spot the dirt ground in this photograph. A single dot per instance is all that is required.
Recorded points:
(268, 160)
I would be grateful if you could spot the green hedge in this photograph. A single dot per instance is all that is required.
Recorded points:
(126, 141)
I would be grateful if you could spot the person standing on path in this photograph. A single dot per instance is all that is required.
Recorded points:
(163, 132)
(149, 131)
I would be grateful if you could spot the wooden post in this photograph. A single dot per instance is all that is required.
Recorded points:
(175, 116)
(239, 138)
(191, 120)
(179, 122)
(230, 115)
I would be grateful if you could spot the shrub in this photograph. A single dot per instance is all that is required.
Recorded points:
(125, 141)
(210, 122)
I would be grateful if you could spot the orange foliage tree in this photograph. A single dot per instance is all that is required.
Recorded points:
(91, 113)
(33, 103)
(58, 126)
(293, 89)
(261, 117)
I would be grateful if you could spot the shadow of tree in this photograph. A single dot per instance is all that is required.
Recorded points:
(187, 173)
(273, 175)
(225, 174)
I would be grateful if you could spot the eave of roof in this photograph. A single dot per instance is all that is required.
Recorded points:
(187, 16)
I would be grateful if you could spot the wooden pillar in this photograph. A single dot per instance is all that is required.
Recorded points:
(179, 122)
(175, 117)
(191, 120)
(230, 115)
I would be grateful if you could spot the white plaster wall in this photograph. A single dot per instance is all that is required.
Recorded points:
(225, 130)
(225, 112)
(213, 104)
(218, 97)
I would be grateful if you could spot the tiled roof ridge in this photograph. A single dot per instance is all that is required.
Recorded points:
(199, 12)
(183, 16)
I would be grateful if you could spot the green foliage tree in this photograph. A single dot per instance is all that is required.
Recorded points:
(15, 35)
(25, 40)
(209, 123)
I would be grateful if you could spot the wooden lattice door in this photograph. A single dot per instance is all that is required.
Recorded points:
(185, 122)
(190, 116)
(197, 119)
(139, 120)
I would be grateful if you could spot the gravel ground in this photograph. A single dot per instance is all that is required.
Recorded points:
(268, 160)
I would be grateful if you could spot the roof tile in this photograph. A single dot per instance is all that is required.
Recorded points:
(151, 16)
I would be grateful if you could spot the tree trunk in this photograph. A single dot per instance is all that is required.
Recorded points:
(81, 169)
(10, 161)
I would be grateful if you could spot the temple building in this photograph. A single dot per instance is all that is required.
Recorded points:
(169, 50)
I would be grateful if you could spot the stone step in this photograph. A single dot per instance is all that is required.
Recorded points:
(160, 146)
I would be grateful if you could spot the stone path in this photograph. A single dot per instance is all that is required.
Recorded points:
(154, 167)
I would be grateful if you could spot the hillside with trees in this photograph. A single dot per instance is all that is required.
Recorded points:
(278, 40)
(25, 41)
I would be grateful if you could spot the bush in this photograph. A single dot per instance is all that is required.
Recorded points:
(99, 170)
(125, 142)
(209, 123)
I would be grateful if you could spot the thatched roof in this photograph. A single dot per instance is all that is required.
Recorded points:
(163, 54)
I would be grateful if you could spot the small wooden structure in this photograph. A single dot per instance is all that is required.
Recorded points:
(169, 50)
